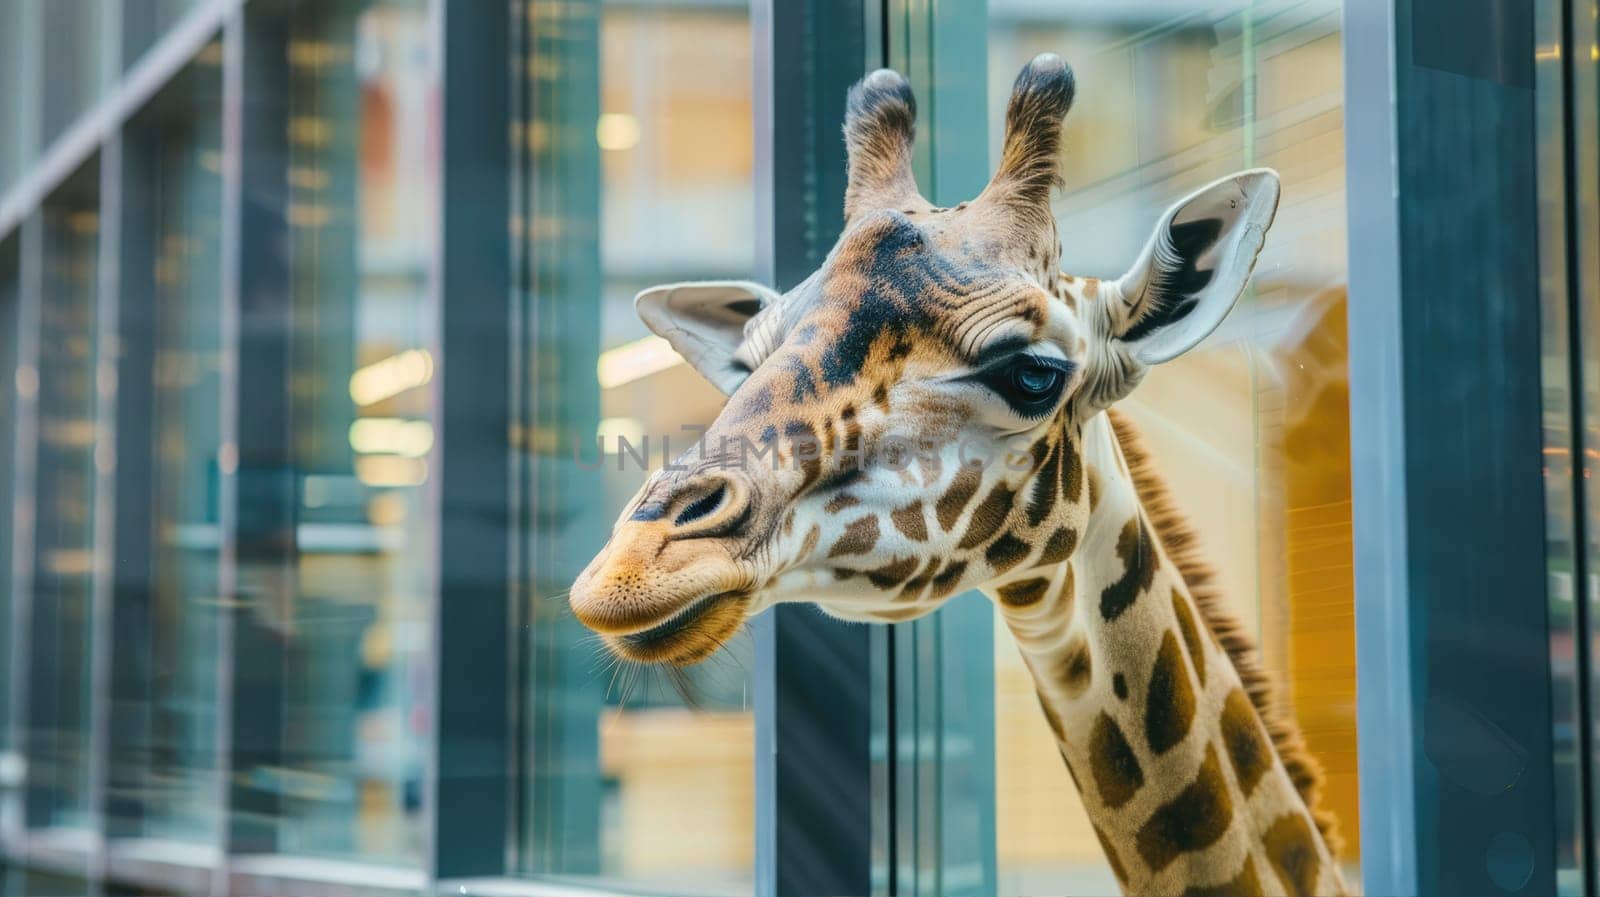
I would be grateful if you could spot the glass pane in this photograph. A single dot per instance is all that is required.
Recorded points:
(636, 156)
(19, 94)
(73, 57)
(339, 158)
(164, 723)
(1251, 429)
(63, 537)
(10, 287)
(144, 22)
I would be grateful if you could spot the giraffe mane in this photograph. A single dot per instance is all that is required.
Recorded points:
(1177, 535)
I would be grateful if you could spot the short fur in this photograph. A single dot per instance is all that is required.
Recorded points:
(1182, 545)
(1030, 162)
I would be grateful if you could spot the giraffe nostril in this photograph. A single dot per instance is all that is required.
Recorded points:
(702, 506)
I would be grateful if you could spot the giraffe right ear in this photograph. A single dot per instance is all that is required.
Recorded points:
(704, 321)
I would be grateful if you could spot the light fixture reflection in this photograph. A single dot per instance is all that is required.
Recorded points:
(635, 360)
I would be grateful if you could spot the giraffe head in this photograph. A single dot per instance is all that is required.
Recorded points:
(900, 426)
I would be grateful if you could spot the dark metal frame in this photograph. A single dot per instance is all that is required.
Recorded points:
(1453, 637)
(814, 770)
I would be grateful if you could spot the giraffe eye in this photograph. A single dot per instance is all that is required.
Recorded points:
(1030, 384)
(1035, 379)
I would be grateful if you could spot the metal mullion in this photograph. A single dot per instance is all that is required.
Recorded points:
(26, 430)
(814, 713)
(133, 89)
(263, 517)
(1581, 91)
(944, 771)
(107, 297)
(230, 251)
(467, 805)
(433, 498)
(1446, 482)
(107, 308)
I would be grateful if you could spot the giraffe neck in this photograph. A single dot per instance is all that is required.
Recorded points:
(1175, 767)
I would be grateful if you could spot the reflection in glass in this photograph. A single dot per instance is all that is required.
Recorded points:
(145, 21)
(337, 431)
(1251, 429)
(72, 61)
(164, 719)
(57, 733)
(19, 94)
(635, 157)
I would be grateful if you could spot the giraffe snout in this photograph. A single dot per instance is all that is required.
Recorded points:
(668, 587)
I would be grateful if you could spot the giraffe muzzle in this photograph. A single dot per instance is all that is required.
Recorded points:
(669, 587)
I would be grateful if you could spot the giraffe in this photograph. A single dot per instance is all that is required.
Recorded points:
(932, 411)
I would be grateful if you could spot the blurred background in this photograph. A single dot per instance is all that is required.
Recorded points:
(314, 317)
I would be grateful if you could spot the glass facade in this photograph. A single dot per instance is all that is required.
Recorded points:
(164, 767)
(635, 155)
(1251, 429)
(324, 381)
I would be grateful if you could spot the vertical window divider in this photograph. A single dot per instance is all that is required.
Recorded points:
(811, 673)
(1446, 482)
(103, 549)
(467, 806)
(941, 667)
(232, 275)
(23, 512)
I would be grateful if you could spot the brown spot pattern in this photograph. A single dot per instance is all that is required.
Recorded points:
(1094, 489)
(1119, 684)
(1024, 592)
(914, 586)
(840, 502)
(1245, 884)
(813, 535)
(988, 517)
(1193, 820)
(893, 573)
(1169, 703)
(1247, 747)
(1072, 475)
(1059, 546)
(1075, 667)
(948, 579)
(1006, 552)
(908, 520)
(858, 538)
(1117, 775)
(950, 505)
(1044, 487)
(1293, 853)
(1191, 635)
(1139, 561)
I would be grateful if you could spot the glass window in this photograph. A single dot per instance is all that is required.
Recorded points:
(145, 21)
(165, 601)
(73, 58)
(1251, 430)
(636, 161)
(63, 515)
(337, 423)
(18, 89)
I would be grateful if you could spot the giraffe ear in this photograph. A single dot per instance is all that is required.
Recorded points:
(705, 322)
(1194, 268)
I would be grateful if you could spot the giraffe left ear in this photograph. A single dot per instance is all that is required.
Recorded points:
(1194, 268)
(704, 321)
